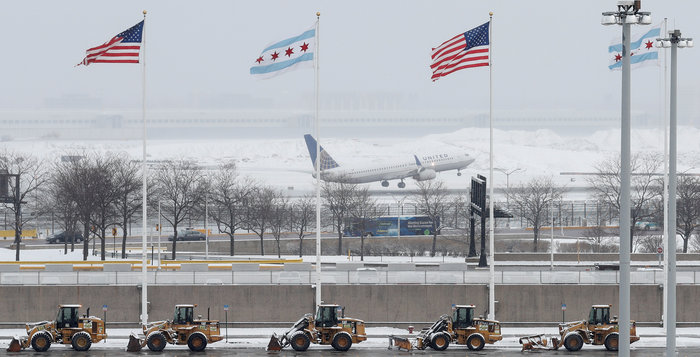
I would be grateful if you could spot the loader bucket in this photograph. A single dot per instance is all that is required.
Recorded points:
(135, 344)
(274, 344)
(15, 345)
(533, 342)
(401, 343)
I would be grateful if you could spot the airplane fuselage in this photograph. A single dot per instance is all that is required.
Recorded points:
(398, 170)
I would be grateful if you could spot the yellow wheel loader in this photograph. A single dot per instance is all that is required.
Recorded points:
(69, 328)
(328, 327)
(599, 329)
(462, 328)
(182, 330)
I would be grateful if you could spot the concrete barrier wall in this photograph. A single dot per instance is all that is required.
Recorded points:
(373, 303)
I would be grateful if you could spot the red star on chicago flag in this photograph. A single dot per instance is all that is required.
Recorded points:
(618, 57)
(274, 55)
(289, 52)
(304, 47)
(648, 44)
(260, 59)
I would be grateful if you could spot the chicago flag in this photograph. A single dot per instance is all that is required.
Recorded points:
(286, 55)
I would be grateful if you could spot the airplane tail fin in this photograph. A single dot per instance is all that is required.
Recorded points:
(327, 161)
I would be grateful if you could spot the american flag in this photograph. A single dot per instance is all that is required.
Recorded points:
(122, 48)
(466, 50)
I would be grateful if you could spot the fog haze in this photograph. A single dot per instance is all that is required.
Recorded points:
(549, 56)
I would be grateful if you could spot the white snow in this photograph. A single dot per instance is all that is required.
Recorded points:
(285, 162)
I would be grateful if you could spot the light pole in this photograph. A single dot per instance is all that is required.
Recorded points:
(508, 173)
(160, 229)
(399, 212)
(626, 15)
(206, 230)
(673, 41)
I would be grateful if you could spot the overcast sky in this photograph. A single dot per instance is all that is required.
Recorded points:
(548, 55)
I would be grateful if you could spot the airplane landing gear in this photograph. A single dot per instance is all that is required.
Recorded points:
(459, 173)
(385, 183)
(402, 184)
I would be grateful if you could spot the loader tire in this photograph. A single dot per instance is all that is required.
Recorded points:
(300, 341)
(81, 341)
(440, 341)
(342, 341)
(41, 341)
(476, 342)
(573, 342)
(197, 342)
(156, 341)
(612, 342)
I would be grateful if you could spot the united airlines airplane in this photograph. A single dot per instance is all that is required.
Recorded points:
(421, 168)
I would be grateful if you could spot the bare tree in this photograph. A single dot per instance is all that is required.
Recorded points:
(32, 178)
(431, 200)
(606, 185)
(260, 214)
(128, 197)
(597, 237)
(362, 209)
(303, 218)
(279, 217)
(531, 200)
(229, 197)
(179, 186)
(104, 196)
(77, 181)
(338, 200)
(687, 208)
(66, 214)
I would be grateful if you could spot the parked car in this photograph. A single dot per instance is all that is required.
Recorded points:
(64, 236)
(189, 234)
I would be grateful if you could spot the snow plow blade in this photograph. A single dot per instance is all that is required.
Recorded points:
(401, 343)
(135, 344)
(274, 344)
(538, 342)
(15, 345)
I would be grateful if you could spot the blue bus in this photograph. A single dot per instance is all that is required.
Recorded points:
(385, 226)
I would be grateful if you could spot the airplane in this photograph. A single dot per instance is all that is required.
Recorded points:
(420, 168)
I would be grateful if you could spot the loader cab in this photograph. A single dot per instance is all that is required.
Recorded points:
(462, 316)
(184, 314)
(328, 315)
(599, 315)
(67, 316)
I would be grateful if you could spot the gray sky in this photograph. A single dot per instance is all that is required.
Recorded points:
(548, 55)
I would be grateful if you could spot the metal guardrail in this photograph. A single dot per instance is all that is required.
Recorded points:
(362, 276)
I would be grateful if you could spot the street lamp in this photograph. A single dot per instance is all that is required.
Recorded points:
(627, 14)
(673, 41)
(508, 173)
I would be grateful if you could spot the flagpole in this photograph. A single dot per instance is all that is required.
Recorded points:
(144, 267)
(664, 120)
(318, 167)
(492, 277)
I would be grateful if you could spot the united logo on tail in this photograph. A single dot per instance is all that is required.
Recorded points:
(327, 161)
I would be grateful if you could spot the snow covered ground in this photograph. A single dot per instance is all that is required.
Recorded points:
(285, 163)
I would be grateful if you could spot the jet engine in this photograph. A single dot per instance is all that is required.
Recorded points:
(425, 174)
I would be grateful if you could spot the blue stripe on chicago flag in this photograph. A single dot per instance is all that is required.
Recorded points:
(281, 65)
(284, 43)
(651, 33)
(636, 59)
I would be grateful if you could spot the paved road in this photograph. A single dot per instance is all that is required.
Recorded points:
(98, 351)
